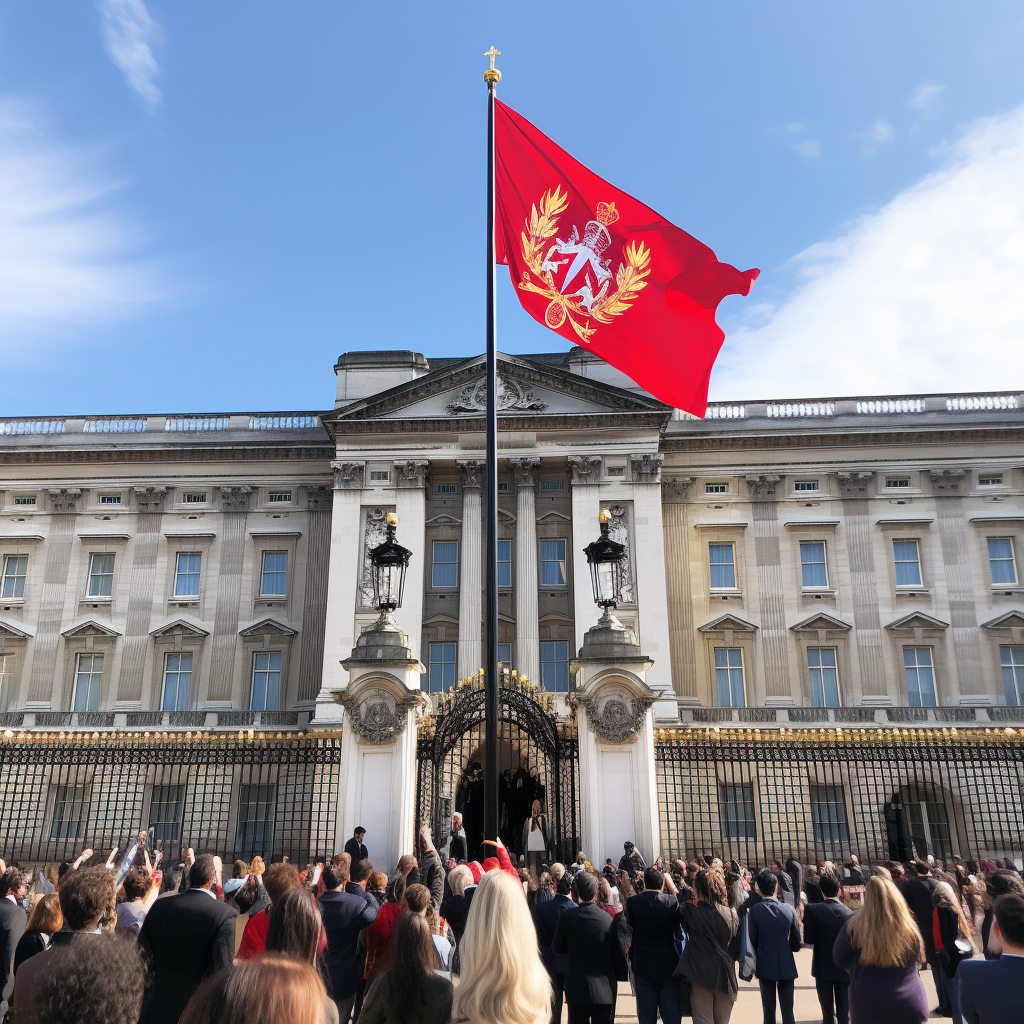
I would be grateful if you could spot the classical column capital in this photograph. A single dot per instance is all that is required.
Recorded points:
(676, 489)
(236, 499)
(412, 472)
(854, 484)
(348, 475)
(585, 469)
(762, 486)
(524, 470)
(64, 499)
(647, 468)
(150, 499)
(946, 481)
(472, 473)
(318, 497)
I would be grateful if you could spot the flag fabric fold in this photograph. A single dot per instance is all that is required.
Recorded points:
(605, 271)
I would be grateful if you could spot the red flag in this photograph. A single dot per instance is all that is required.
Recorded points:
(605, 271)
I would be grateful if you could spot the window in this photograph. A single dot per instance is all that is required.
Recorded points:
(505, 655)
(88, 680)
(929, 828)
(1011, 658)
(194, 498)
(441, 671)
(716, 488)
(274, 578)
(445, 569)
(380, 476)
(110, 499)
(991, 481)
(813, 571)
(828, 812)
(554, 665)
(821, 667)
(165, 813)
(186, 573)
(12, 584)
(1001, 562)
(723, 566)
(266, 681)
(729, 677)
(6, 681)
(279, 497)
(446, 488)
(552, 563)
(70, 812)
(24, 499)
(101, 576)
(255, 820)
(552, 485)
(504, 563)
(805, 485)
(616, 471)
(907, 559)
(503, 486)
(736, 806)
(177, 682)
(897, 481)
(920, 675)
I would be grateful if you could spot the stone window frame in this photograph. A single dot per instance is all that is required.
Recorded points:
(102, 641)
(455, 539)
(183, 544)
(741, 636)
(917, 530)
(567, 561)
(941, 662)
(113, 545)
(723, 533)
(14, 645)
(179, 637)
(992, 529)
(268, 635)
(838, 638)
(270, 542)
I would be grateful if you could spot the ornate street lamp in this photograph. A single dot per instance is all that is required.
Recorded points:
(388, 563)
(605, 557)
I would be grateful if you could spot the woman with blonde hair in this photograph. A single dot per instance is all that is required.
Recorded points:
(503, 979)
(43, 923)
(881, 949)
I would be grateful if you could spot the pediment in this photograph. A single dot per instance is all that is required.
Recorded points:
(552, 515)
(1008, 620)
(525, 390)
(267, 627)
(9, 632)
(727, 622)
(820, 621)
(444, 520)
(179, 627)
(89, 628)
(918, 620)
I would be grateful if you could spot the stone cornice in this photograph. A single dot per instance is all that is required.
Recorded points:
(183, 453)
(476, 424)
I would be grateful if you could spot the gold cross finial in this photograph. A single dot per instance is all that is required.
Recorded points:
(492, 53)
(492, 75)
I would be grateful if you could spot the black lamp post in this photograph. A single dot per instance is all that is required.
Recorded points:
(605, 557)
(388, 563)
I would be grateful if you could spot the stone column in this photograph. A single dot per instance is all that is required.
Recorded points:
(411, 507)
(527, 653)
(681, 632)
(586, 506)
(471, 583)
(319, 498)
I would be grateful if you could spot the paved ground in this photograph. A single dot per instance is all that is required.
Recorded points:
(748, 1003)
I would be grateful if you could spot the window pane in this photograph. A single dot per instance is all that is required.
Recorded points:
(441, 669)
(445, 571)
(908, 564)
(812, 564)
(828, 812)
(505, 655)
(275, 574)
(255, 821)
(554, 665)
(1011, 658)
(736, 807)
(88, 678)
(824, 679)
(165, 813)
(70, 812)
(186, 574)
(552, 563)
(729, 687)
(1000, 560)
(504, 563)
(177, 682)
(6, 681)
(917, 662)
(723, 566)
(266, 681)
(101, 576)
(13, 584)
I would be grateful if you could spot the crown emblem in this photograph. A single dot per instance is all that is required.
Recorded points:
(607, 214)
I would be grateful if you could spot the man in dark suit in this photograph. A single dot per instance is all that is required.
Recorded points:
(822, 923)
(13, 888)
(355, 848)
(918, 894)
(187, 936)
(589, 937)
(651, 919)
(545, 920)
(775, 937)
(991, 990)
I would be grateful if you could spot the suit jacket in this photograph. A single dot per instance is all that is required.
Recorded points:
(12, 926)
(990, 990)
(545, 920)
(356, 850)
(918, 894)
(589, 936)
(651, 917)
(345, 915)
(774, 934)
(188, 937)
(455, 910)
(822, 923)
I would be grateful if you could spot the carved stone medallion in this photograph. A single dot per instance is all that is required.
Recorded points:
(615, 715)
(511, 395)
(376, 715)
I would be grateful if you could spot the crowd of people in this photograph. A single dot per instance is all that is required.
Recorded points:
(443, 940)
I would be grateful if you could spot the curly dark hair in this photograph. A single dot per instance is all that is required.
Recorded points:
(12, 880)
(95, 978)
(88, 896)
(136, 884)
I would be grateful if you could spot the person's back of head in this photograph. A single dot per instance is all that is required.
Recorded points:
(295, 926)
(280, 878)
(923, 868)
(338, 871)
(884, 931)
(1009, 911)
(766, 882)
(88, 899)
(136, 884)
(417, 897)
(378, 881)
(564, 885)
(710, 887)
(240, 869)
(407, 863)
(46, 915)
(586, 886)
(361, 871)
(829, 887)
(256, 866)
(12, 880)
(604, 892)
(653, 880)
(93, 979)
(271, 989)
(414, 959)
(556, 871)
(202, 872)
(458, 878)
(1001, 882)
(395, 891)
(503, 980)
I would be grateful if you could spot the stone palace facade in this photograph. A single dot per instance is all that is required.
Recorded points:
(823, 611)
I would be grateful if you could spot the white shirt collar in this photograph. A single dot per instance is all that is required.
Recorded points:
(13, 899)
(209, 892)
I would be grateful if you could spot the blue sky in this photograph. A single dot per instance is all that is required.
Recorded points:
(203, 204)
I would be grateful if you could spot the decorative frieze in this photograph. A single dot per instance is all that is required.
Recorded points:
(585, 469)
(647, 468)
(64, 499)
(348, 475)
(512, 395)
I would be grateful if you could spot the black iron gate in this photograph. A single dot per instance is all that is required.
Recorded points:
(538, 757)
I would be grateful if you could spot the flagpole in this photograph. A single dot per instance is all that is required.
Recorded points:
(491, 77)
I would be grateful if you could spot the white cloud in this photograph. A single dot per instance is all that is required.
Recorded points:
(879, 132)
(66, 261)
(923, 295)
(925, 97)
(809, 149)
(128, 30)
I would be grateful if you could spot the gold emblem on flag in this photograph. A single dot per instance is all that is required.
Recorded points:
(600, 293)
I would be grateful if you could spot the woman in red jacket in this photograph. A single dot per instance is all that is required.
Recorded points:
(378, 935)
